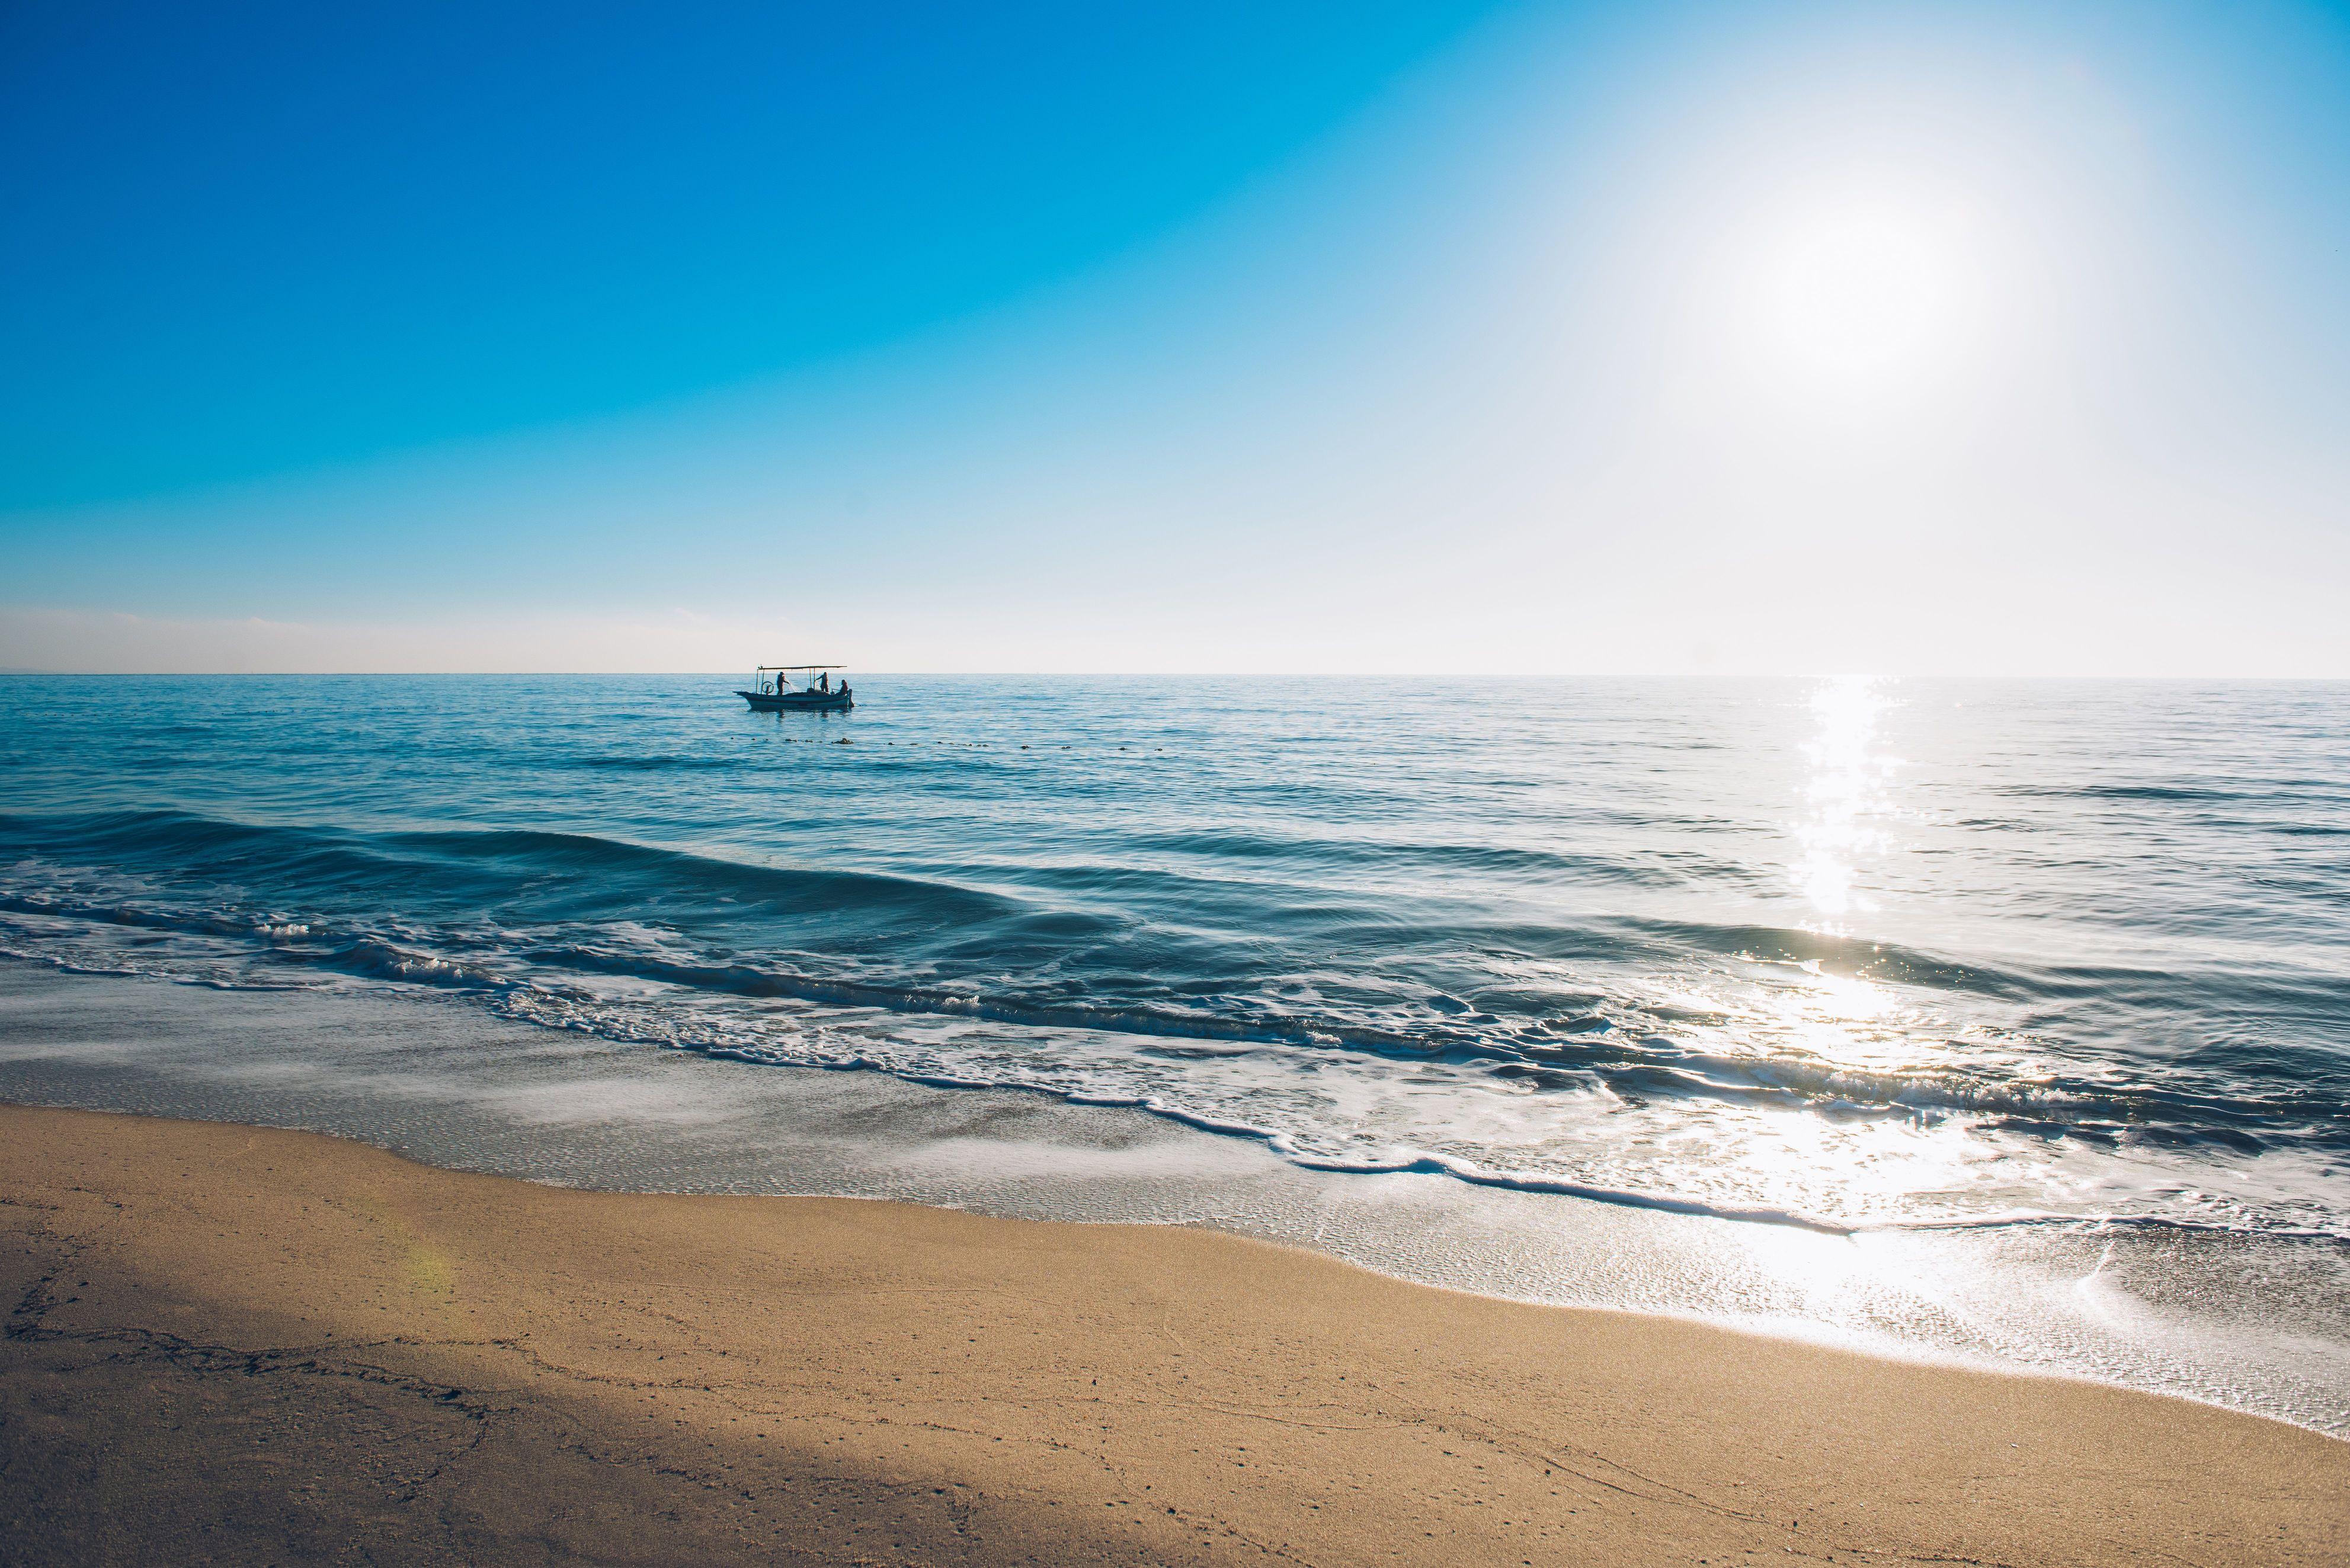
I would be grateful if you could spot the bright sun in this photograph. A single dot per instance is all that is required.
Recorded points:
(1862, 298)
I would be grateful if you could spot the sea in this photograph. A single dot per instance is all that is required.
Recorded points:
(1999, 1022)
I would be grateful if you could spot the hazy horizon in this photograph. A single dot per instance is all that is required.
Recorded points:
(1573, 339)
(1759, 677)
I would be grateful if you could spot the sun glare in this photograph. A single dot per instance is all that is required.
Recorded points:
(1862, 298)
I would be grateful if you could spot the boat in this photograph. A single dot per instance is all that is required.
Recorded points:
(818, 692)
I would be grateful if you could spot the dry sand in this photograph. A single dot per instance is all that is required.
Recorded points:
(232, 1345)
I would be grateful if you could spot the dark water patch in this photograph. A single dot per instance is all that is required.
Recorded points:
(668, 764)
(438, 868)
(2159, 792)
(1396, 854)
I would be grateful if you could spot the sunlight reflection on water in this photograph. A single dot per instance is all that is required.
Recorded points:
(1847, 797)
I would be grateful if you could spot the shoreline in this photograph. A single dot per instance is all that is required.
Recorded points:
(2229, 1320)
(228, 1340)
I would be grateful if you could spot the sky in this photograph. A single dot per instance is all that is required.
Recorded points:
(1453, 338)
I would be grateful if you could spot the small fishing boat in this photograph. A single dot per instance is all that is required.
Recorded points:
(774, 692)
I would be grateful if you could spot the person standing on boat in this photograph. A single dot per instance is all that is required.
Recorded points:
(824, 682)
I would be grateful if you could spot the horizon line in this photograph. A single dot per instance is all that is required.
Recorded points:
(30, 673)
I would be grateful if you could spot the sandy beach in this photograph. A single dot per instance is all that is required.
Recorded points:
(233, 1344)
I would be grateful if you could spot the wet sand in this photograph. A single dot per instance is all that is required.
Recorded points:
(230, 1344)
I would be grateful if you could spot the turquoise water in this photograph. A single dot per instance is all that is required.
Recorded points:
(1858, 955)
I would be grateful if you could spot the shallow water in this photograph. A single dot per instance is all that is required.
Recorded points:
(1884, 959)
(2259, 1323)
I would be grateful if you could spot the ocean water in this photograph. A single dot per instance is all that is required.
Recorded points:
(2058, 973)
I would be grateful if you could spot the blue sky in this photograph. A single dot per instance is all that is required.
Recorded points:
(1476, 337)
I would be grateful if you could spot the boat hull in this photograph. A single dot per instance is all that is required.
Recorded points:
(798, 702)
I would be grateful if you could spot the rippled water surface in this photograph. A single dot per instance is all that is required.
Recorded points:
(1859, 954)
